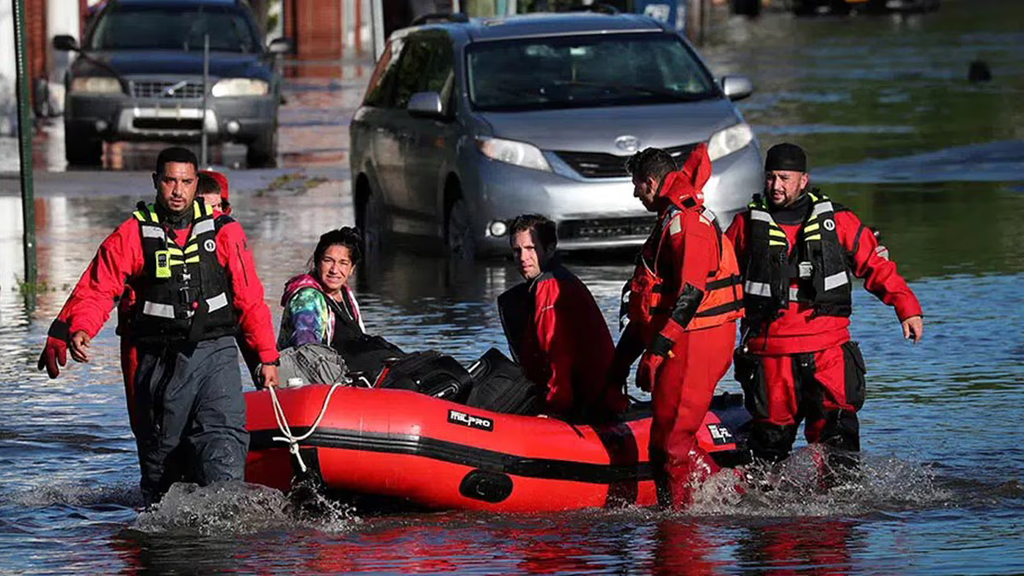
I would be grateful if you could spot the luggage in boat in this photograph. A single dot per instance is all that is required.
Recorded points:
(499, 385)
(311, 364)
(430, 373)
(367, 355)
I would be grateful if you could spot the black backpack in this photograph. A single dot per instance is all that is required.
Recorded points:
(499, 385)
(430, 373)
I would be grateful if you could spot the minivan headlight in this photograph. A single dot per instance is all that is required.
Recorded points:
(240, 87)
(96, 85)
(512, 152)
(725, 142)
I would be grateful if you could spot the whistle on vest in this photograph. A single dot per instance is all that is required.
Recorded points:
(163, 264)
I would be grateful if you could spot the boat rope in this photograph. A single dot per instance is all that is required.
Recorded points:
(286, 431)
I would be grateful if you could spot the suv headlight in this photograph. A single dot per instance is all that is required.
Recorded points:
(725, 142)
(512, 152)
(96, 85)
(240, 87)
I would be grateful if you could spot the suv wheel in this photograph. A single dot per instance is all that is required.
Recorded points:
(82, 148)
(262, 152)
(746, 7)
(459, 231)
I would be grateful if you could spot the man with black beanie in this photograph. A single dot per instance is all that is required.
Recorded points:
(799, 252)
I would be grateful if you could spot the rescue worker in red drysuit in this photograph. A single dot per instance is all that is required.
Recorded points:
(799, 252)
(555, 329)
(684, 300)
(195, 283)
(213, 188)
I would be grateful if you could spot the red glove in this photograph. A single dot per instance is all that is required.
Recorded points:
(55, 352)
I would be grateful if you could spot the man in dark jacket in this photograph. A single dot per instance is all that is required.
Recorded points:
(556, 330)
(799, 252)
(195, 285)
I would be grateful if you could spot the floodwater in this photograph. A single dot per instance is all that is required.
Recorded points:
(894, 131)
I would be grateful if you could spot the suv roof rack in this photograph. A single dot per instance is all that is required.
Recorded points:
(457, 17)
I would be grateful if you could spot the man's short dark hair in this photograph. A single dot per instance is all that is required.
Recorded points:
(207, 184)
(348, 236)
(176, 154)
(651, 163)
(547, 235)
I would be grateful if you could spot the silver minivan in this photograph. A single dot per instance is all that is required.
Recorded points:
(468, 123)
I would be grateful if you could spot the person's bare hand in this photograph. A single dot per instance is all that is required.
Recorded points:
(269, 375)
(913, 328)
(79, 346)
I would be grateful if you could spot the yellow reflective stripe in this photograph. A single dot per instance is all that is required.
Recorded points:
(191, 248)
(779, 233)
(173, 262)
(192, 259)
(139, 216)
(815, 237)
(812, 228)
(776, 243)
(175, 251)
(197, 210)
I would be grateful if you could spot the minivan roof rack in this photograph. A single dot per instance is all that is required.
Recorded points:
(598, 7)
(457, 17)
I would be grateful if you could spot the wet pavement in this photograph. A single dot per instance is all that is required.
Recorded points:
(894, 130)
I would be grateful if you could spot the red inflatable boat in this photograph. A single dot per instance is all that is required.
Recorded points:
(441, 455)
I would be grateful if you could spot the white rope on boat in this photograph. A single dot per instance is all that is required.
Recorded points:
(286, 431)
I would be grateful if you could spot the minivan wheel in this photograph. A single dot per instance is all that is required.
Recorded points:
(82, 149)
(370, 218)
(459, 231)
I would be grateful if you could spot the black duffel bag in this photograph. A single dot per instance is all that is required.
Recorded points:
(430, 373)
(367, 355)
(499, 385)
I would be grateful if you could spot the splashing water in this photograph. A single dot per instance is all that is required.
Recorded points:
(794, 488)
(239, 508)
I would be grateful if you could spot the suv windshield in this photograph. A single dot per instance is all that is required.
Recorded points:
(169, 28)
(584, 72)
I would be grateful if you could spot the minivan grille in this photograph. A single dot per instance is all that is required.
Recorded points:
(601, 165)
(606, 228)
(160, 89)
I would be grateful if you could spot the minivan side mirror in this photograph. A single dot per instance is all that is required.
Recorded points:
(65, 43)
(426, 104)
(736, 87)
(280, 46)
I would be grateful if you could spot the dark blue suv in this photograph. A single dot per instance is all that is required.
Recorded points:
(139, 77)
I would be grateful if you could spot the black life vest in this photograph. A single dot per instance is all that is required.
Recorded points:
(818, 264)
(184, 293)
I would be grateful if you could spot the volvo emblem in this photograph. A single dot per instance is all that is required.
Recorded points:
(627, 143)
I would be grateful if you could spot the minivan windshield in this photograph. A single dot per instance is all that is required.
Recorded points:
(169, 28)
(584, 72)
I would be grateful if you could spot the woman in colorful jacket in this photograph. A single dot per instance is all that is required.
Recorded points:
(319, 307)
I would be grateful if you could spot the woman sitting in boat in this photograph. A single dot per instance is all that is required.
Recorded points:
(320, 308)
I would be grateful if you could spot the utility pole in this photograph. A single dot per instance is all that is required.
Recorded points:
(377, 19)
(204, 164)
(28, 206)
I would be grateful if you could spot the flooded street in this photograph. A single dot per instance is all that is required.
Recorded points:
(893, 130)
